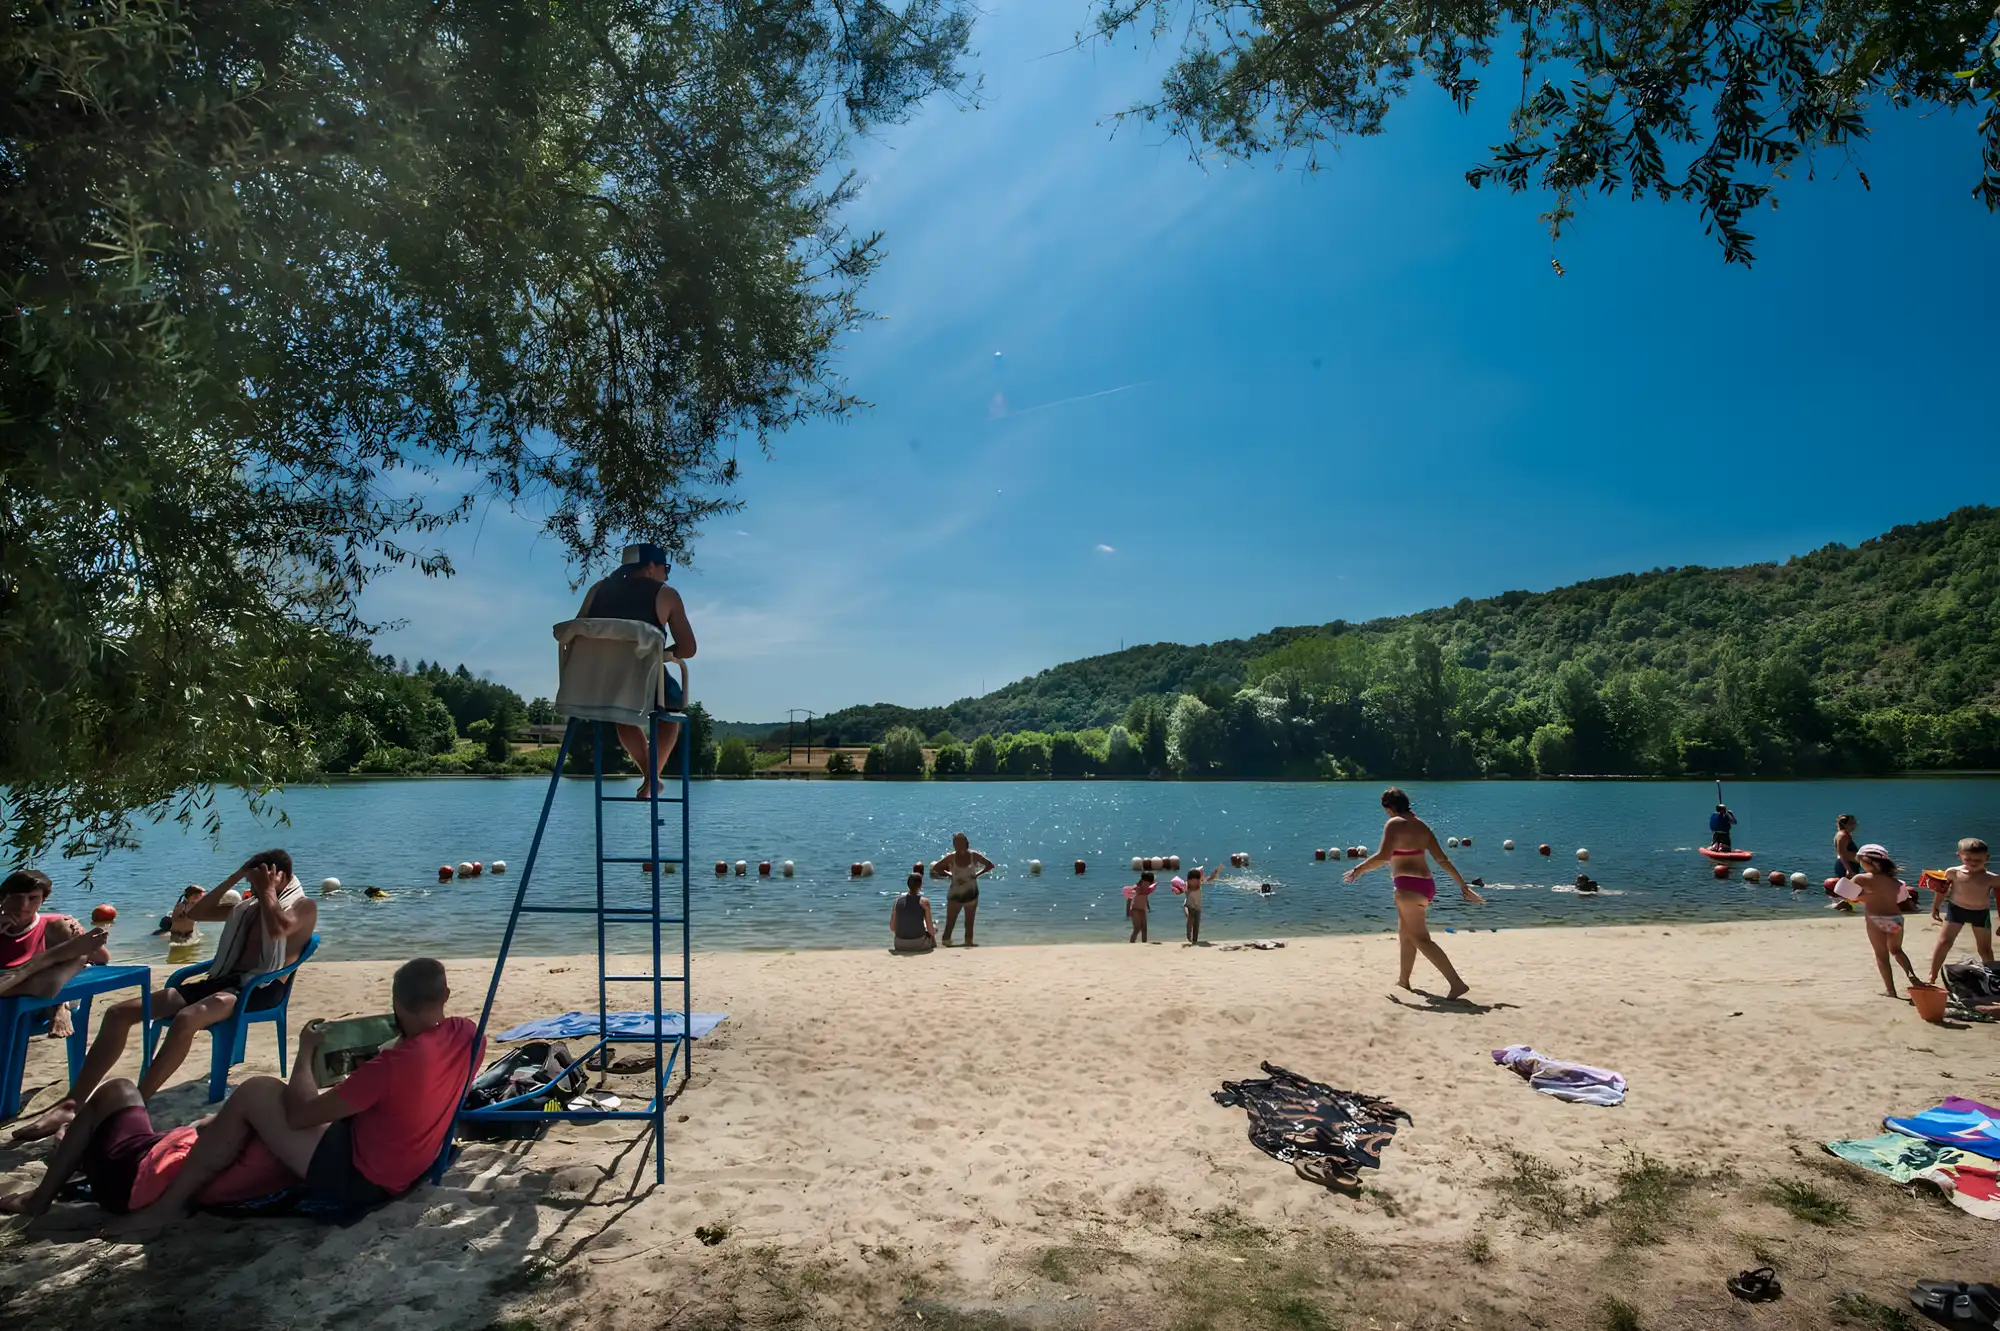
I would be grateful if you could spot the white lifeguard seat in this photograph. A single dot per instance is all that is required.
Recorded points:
(614, 670)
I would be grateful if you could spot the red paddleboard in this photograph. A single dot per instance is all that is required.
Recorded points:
(1715, 854)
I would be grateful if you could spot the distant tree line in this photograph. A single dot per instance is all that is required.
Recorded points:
(1884, 657)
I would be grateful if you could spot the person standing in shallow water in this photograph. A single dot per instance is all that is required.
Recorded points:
(1406, 842)
(964, 866)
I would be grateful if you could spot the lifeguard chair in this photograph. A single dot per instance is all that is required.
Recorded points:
(614, 671)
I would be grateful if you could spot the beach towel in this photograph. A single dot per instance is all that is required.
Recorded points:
(244, 948)
(1575, 1082)
(1896, 1156)
(1974, 1189)
(1327, 1136)
(1966, 1124)
(625, 1025)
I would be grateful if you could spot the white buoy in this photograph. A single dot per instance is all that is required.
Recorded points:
(465, 869)
(1137, 864)
(329, 884)
(742, 868)
(1799, 880)
(867, 868)
(786, 868)
(1749, 875)
(1583, 855)
(1451, 841)
(1034, 866)
(1506, 845)
(499, 866)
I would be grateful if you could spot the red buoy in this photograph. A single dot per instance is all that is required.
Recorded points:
(444, 873)
(478, 867)
(1079, 866)
(721, 868)
(763, 868)
(854, 869)
(1722, 871)
(104, 915)
(1317, 854)
(1544, 848)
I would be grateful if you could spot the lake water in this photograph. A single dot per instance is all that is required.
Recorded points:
(394, 834)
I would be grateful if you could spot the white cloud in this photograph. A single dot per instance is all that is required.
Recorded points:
(1104, 549)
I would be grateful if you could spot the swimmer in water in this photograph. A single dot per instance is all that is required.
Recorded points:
(1406, 841)
(375, 894)
(1585, 883)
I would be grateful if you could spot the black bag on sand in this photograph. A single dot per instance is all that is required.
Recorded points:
(517, 1072)
(1970, 985)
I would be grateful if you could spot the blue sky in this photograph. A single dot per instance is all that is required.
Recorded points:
(1230, 396)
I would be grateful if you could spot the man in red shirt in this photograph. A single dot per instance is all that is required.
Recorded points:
(39, 954)
(357, 1144)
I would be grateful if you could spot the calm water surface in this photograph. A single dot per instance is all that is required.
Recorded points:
(394, 834)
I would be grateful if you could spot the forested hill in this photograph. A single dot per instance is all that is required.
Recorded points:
(1882, 656)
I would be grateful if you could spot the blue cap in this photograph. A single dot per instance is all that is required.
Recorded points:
(645, 553)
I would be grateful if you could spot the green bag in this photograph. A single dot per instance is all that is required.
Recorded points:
(349, 1043)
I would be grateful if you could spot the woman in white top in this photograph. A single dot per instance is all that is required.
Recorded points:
(964, 866)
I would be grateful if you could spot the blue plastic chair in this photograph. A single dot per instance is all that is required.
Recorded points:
(23, 1016)
(227, 1037)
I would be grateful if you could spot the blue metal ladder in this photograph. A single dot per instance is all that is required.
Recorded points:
(669, 1051)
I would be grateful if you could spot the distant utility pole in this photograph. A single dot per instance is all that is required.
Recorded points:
(791, 736)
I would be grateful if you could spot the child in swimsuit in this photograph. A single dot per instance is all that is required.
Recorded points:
(1968, 901)
(1881, 894)
(1135, 909)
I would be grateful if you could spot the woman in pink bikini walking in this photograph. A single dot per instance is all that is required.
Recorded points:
(1406, 840)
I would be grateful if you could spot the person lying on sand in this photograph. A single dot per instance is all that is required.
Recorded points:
(113, 1144)
(1881, 894)
(261, 933)
(911, 928)
(358, 1144)
(39, 953)
(1968, 901)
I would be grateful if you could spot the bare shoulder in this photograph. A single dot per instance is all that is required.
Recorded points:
(669, 595)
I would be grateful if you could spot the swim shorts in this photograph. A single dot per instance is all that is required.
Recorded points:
(332, 1175)
(111, 1161)
(1981, 918)
(267, 996)
(965, 898)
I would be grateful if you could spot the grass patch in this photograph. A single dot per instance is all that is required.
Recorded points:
(1294, 1312)
(710, 1235)
(1479, 1250)
(1065, 1263)
(1855, 1309)
(1619, 1315)
(1809, 1204)
(1540, 1191)
(1649, 1199)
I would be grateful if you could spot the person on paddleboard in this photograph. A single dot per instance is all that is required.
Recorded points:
(1719, 824)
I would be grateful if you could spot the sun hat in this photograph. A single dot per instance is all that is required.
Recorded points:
(1873, 849)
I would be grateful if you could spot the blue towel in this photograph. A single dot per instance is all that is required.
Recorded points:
(577, 1025)
(1966, 1124)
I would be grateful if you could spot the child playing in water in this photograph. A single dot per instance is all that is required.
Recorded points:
(1967, 901)
(1135, 909)
(1881, 895)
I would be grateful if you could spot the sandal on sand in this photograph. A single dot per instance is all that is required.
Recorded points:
(1759, 1286)
(1955, 1303)
(1327, 1172)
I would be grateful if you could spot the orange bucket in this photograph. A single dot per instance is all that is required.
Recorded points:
(1929, 1000)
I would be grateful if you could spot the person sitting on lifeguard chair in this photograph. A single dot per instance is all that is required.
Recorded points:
(638, 590)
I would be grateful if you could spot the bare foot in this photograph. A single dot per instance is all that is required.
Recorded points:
(61, 1027)
(53, 1120)
(970, 943)
(20, 1203)
(1405, 984)
(1459, 990)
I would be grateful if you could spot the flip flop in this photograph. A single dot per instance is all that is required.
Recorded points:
(1758, 1286)
(1955, 1303)
(1327, 1173)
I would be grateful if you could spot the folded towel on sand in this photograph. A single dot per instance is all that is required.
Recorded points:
(625, 1025)
(1897, 1156)
(1575, 1082)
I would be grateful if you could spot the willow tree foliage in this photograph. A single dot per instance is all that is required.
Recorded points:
(1707, 101)
(289, 285)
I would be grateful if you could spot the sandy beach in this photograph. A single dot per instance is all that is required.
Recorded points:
(1019, 1137)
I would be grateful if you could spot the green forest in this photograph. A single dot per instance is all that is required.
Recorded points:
(1883, 657)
